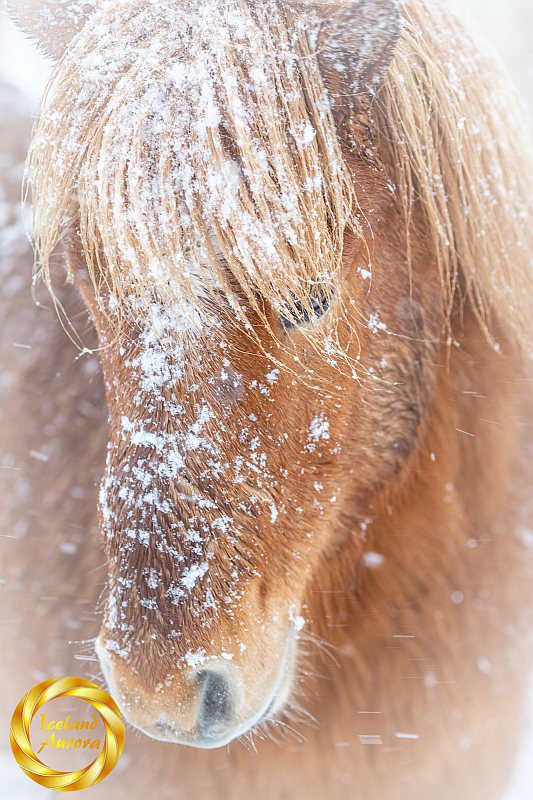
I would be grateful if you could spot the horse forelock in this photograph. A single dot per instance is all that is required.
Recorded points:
(195, 147)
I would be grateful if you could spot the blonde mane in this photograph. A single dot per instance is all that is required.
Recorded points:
(455, 130)
(194, 148)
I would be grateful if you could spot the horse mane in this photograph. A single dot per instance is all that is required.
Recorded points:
(190, 146)
(458, 144)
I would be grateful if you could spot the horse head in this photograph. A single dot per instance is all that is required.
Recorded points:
(268, 323)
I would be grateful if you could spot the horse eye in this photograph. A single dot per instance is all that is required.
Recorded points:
(299, 314)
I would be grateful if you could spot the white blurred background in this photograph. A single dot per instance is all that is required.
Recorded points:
(508, 25)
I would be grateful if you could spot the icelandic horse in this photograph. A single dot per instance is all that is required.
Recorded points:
(289, 244)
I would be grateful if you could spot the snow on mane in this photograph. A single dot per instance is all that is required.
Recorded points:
(194, 145)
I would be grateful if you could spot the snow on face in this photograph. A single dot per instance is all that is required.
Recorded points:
(187, 471)
(150, 88)
(185, 466)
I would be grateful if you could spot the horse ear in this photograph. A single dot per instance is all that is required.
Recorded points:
(52, 23)
(356, 40)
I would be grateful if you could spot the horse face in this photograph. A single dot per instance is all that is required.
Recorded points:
(237, 465)
(240, 458)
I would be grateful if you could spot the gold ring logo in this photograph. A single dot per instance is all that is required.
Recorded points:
(103, 704)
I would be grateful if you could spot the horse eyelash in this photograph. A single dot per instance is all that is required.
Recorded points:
(300, 314)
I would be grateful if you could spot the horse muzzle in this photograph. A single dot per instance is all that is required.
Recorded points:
(204, 708)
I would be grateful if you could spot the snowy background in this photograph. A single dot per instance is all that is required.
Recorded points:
(508, 25)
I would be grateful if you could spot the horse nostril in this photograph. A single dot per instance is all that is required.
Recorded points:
(216, 702)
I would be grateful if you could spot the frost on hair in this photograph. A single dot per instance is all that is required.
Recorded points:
(194, 147)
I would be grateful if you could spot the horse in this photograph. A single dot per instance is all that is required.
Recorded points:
(289, 247)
